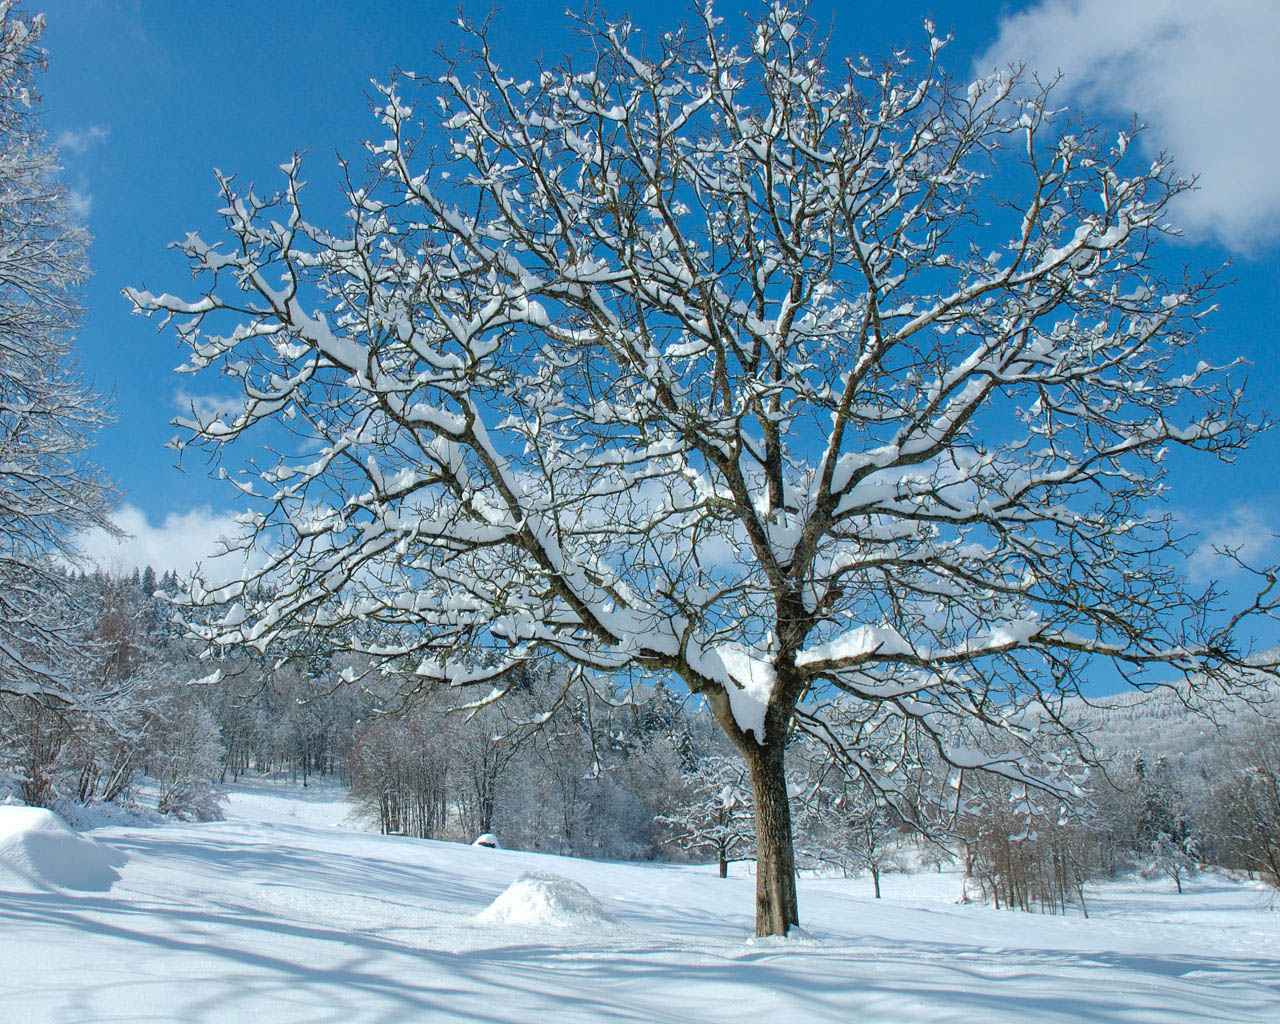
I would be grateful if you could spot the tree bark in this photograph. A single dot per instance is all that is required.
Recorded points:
(875, 876)
(776, 908)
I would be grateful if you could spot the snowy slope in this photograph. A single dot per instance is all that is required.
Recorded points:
(278, 914)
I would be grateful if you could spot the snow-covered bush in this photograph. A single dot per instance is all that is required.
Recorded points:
(1175, 857)
(543, 899)
(186, 762)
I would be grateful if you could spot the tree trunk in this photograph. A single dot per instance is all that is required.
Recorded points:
(875, 877)
(776, 909)
(488, 797)
(724, 865)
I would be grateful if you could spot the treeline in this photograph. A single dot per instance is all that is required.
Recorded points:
(638, 774)
(123, 710)
(1149, 799)
(138, 718)
(548, 768)
(1169, 792)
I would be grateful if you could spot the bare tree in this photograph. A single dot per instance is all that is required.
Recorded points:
(846, 822)
(48, 416)
(804, 381)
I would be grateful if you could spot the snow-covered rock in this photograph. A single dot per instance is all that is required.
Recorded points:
(542, 898)
(488, 840)
(38, 852)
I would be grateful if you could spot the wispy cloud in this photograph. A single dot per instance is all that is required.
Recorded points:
(1246, 531)
(81, 203)
(77, 142)
(1203, 75)
(206, 406)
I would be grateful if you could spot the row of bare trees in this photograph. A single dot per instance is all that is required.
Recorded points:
(1241, 828)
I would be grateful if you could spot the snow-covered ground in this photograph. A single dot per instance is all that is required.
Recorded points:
(286, 912)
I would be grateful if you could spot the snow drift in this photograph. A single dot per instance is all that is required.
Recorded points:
(38, 852)
(543, 898)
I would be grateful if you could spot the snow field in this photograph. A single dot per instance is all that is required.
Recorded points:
(278, 915)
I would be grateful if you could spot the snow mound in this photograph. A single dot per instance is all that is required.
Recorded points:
(38, 852)
(488, 840)
(541, 898)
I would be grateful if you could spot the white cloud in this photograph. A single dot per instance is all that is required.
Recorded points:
(77, 142)
(1245, 530)
(1203, 74)
(81, 203)
(179, 542)
(205, 406)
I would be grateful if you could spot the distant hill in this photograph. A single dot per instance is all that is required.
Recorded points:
(1159, 723)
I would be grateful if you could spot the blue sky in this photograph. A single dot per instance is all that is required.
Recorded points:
(146, 97)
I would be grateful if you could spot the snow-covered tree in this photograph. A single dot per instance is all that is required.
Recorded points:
(1153, 817)
(484, 743)
(1174, 856)
(715, 814)
(134, 713)
(847, 822)
(399, 769)
(802, 380)
(48, 415)
(187, 761)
